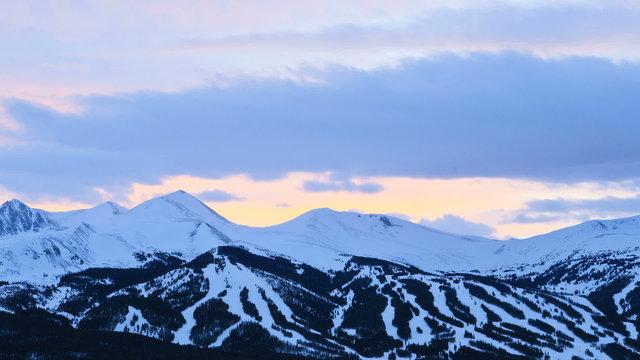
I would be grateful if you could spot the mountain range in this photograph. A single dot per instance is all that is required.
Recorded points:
(174, 276)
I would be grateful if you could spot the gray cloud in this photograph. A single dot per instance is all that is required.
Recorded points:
(458, 225)
(551, 210)
(344, 185)
(604, 205)
(508, 115)
(490, 28)
(523, 218)
(218, 196)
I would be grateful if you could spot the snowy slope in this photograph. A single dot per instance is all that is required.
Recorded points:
(589, 237)
(319, 236)
(577, 259)
(100, 213)
(179, 223)
(38, 242)
(16, 217)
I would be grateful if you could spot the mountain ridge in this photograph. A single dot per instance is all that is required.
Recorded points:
(315, 235)
(17, 217)
(324, 285)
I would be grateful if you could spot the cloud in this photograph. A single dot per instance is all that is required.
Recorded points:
(553, 210)
(480, 115)
(603, 205)
(68, 47)
(218, 196)
(344, 185)
(570, 28)
(523, 218)
(458, 225)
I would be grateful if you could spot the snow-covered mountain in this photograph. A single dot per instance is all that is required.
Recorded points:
(326, 284)
(107, 235)
(16, 217)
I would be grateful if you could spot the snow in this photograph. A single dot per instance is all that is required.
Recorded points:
(589, 237)
(179, 204)
(233, 279)
(183, 335)
(135, 322)
(387, 318)
(97, 214)
(109, 235)
(320, 236)
(338, 314)
(618, 299)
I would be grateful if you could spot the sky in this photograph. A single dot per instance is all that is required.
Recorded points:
(497, 118)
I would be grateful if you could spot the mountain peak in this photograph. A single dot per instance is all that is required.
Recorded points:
(324, 214)
(321, 212)
(116, 209)
(14, 203)
(16, 217)
(182, 204)
(327, 220)
(109, 207)
(179, 195)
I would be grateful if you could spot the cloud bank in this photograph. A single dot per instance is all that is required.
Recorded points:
(550, 210)
(217, 195)
(341, 182)
(481, 115)
(458, 225)
(65, 48)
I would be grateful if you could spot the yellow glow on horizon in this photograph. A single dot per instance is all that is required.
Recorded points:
(490, 201)
(483, 200)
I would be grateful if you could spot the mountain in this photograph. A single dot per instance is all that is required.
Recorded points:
(107, 235)
(320, 237)
(324, 285)
(16, 217)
